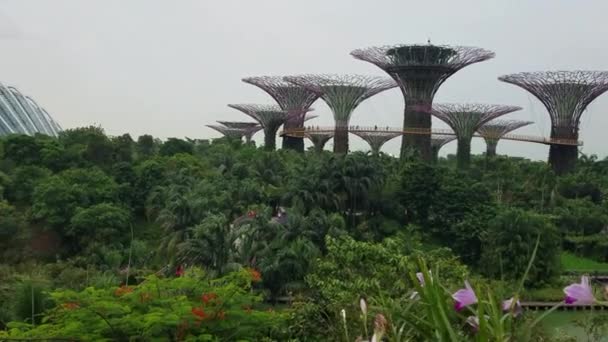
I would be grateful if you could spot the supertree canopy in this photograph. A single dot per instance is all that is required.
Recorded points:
(437, 142)
(496, 129)
(235, 133)
(342, 93)
(420, 70)
(566, 95)
(376, 139)
(270, 117)
(248, 129)
(294, 99)
(319, 139)
(465, 120)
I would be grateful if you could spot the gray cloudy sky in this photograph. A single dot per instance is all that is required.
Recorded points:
(167, 67)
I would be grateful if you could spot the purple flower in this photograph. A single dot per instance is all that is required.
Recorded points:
(420, 277)
(579, 293)
(464, 297)
(515, 309)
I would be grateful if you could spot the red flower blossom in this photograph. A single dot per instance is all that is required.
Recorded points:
(123, 290)
(179, 271)
(70, 305)
(256, 276)
(251, 214)
(199, 313)
(207, 297)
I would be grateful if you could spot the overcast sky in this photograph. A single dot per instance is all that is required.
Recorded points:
(168, 67)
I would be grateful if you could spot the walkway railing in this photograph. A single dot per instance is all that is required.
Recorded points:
(300, 132)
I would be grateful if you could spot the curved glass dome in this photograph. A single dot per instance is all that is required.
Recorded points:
(20, 114)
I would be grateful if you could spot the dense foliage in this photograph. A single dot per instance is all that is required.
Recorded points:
(84, 213)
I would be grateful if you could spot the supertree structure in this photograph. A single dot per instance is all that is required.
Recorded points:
(310, 117)
(342, 93)
(248, 128)
(270, 117)
(376, 139)
(465, 119)
(295, 100)
(566, 95)
(437, 142)
(319, 139)
(494, 130)
(235, 133)
(420, 70)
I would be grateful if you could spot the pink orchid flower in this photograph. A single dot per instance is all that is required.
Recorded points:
(464, 297)
(580, 293)
(516, 309)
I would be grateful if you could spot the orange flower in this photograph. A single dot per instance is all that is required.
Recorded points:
(199, 313)
(123, 290)
(221, 315)
(70, 305)
(256, 276)
(207, 297)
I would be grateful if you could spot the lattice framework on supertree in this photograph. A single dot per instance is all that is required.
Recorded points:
(234, 133)
(342, 93)
(420, 69)
(292, 98)
(465, 119)
(250, 128)
(437, 142)
(566, 95)
(376, 139)
(309, 117)
(319, 139)
(494, 130)
(270, 117)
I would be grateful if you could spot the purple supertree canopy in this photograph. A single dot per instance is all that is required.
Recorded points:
(376, 139)
(237, 133)
(310, 117)
(565, 94)
(319, 139)
(496, 129)
(342, 93)
(466, 118)
(287, 95)
(421, 68)
(239, 124)
(266, 115)
(438, 141)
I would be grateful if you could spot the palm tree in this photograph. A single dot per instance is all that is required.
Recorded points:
(210, 245)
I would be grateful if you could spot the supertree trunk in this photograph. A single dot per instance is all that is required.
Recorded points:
(563, 157)
(463, 155)
(434, 155)
(417, 115)
(319, 146)
(491, 147)
(270, 138)
(293, 143)
(341, 137)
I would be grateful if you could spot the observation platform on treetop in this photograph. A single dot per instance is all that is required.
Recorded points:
(300, 132)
